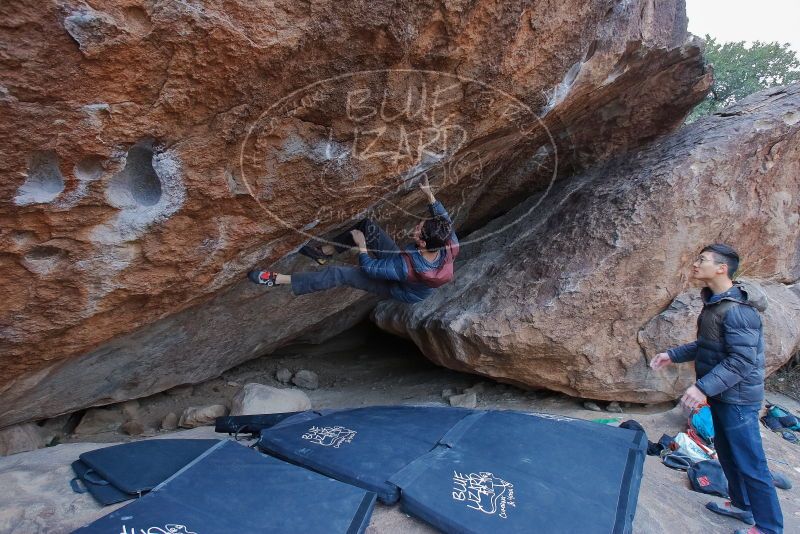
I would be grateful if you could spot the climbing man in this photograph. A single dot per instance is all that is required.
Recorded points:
(408, 275)
(729, 363)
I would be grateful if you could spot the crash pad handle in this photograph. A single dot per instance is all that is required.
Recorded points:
(90, 476)
(76, 487)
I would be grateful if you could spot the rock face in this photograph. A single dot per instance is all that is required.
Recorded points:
(594, 283)
(182, 144)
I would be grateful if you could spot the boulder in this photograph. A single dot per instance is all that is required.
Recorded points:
(579, 294)
(134, 200)
(255, 399)
(21, 438)
(98, 420)
(195, 416)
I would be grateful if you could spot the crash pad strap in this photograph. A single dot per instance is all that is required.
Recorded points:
(631, 480)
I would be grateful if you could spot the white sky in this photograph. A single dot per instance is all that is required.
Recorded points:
(746, 20)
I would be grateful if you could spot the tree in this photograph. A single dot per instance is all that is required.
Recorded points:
(740, 70)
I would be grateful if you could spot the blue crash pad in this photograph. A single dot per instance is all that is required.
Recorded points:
(517, 472)
(121, 472)
(361, 446)
(232, 488)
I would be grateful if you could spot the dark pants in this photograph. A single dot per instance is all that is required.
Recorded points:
(377, 241)
(738, 444)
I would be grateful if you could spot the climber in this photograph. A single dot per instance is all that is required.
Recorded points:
(408, 275)
(729, 363)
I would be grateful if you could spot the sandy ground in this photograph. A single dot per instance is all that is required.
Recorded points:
(359, 368)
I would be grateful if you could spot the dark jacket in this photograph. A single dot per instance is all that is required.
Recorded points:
(729, 352)
(395, 268)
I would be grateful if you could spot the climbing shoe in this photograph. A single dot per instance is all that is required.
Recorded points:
(266, 278)
(751, 530)
(314, 253)
(731, 511)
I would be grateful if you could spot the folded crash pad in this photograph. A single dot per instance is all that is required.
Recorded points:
(121, 472)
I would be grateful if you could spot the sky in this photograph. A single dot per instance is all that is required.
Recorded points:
(746, 20)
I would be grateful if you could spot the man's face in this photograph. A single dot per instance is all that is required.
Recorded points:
(705, 267)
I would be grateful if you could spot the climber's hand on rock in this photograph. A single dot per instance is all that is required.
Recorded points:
(660, 361)
(693, 398)
(359, 240)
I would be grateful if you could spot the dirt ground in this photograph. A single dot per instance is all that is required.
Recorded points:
(367, 367)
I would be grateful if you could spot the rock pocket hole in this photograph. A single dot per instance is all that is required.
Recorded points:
(89, 169)
(45, 181)
(137, 184)
(44, 252)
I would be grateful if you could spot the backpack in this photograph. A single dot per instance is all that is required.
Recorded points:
(700, 421)
(707, 477)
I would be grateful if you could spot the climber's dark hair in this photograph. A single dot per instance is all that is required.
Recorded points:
(724, 254)
(435, 231)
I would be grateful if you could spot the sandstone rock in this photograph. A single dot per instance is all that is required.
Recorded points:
(185, 390)
(130, 409)
(563, 300)
(448, 392)
(614, 407)
(284, 376)
(132, 428)
(21, 438)
(195, 416)
(98, 420)
(592, 406)
(465, 400)
(132, 208)
(480, 387)
(260, 399)
(170, 421)
(306, 379)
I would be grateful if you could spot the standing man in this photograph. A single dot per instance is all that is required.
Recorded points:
(729, 362)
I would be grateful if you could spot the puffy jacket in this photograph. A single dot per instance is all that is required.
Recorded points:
(729, 352)
(405, 266)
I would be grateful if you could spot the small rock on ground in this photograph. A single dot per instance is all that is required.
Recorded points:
(170, 421)
(306, 379)
(195, 416)
(465, 400)
(132, 428)
(589, 405)
(284, 376)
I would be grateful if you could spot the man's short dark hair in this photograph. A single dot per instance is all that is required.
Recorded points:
(724, 254)
(435, 231)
